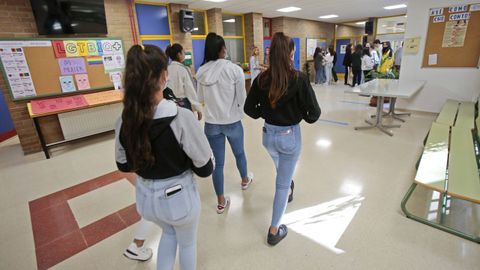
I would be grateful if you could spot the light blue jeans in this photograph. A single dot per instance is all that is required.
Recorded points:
(320, 75)
(177, 215)
(284, 144)
(216, 135)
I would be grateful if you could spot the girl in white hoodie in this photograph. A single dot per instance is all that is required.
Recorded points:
(221, 88)
(180, 79)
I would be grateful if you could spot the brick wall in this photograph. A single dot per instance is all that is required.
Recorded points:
(214, 20)
(349, 31)
(16, 20)
(254, 34)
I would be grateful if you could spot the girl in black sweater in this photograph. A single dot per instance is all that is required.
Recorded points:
(357, 65)
(283, 97)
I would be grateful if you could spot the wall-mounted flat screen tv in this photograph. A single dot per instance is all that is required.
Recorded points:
(57, 17)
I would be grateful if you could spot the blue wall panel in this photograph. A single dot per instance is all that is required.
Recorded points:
(296, 55)
(198, 52)
(266, 44)
(152, 19)
(6, 123)
(161, 43)
(339, 68)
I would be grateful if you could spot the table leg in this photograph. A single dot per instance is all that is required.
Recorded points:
(391, 112)
(378, 120)
(40, 137)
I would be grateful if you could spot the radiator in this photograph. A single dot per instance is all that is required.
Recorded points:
(82, 123)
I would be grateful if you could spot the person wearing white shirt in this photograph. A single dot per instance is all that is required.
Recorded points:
(221, 87)
(180, 79)
(254, 64)
(374, 55)
(328, 68)
(367, 64)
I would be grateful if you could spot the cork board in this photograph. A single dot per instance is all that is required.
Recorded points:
(453, 37)
(43, 65)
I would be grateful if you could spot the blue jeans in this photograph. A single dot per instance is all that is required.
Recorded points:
(176, 214)
(284, 145)
(320, 75)
(216, 135)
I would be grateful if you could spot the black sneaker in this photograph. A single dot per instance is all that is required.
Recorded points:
(275, 239)
(290, 197)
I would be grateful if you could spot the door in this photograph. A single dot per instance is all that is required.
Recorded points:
(340, 45)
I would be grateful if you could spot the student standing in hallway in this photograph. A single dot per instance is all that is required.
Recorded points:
(357, 65)
(164, 145)
(283, 97)
(221, 87)
(318, 64)
(180, 79)
(254, 64)
(347, 61)
(332, 52)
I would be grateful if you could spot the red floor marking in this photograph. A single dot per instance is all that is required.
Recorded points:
(56, 232)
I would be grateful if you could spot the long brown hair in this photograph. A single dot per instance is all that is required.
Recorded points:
(280, 69)
(142, 73)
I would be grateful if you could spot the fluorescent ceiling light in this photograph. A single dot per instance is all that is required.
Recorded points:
(360, 23)
(229, 20)
(216, 1)
(395, 6)
(289, 9)
(328, 16)
(195, 29)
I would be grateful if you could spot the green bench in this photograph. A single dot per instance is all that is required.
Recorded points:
(449, 163)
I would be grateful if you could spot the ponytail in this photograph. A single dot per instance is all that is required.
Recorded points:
(173, 50)
(142, 72)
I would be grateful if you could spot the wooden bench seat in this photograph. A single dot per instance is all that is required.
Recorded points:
(463, 177)
(466, 115)
(432, 169)
(448, 113)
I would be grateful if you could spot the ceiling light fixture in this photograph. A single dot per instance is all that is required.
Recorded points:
(229, 20)
(289, 9)
(360, 23)
(328, 16)
(216, 1)
(395, 6)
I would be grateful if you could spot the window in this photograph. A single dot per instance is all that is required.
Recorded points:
(200, 28)
(234, 38)
(267, 27)
(232, 25)
(154, 24)
(391, 25)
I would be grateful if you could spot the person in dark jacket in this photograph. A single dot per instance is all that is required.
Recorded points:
(283, 97)
(357, 65)
(164, 145)
(347, 61)
(318, 64)
(331, 50)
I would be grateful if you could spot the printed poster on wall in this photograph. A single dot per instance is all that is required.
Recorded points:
(411, 45)
(69, 66)
(82, 81)
(67, 84)
(113, 62)
(455, 32)
(17, 71)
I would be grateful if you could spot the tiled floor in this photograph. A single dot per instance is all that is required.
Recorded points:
(72, 211)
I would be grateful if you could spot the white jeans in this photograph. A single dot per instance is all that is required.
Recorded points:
(328, 72)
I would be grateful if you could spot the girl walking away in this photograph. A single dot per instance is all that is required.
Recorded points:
(347, 61)
(180, 79)
(357, 65)
(367, 64)
(254, 65)
(221, 87)
(164, 146)
(283, 97)
(319, 66)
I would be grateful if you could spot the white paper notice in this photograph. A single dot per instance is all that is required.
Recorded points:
(475, 7)
(113, 62)
(18, 73)
(432, 59)
(116, 78)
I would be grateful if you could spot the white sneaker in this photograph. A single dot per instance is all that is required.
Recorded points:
(221, 208)
(138, 253)
(250, 180)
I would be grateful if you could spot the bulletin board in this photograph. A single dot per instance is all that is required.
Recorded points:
(43, 67)
(453, 37)
(312, 44)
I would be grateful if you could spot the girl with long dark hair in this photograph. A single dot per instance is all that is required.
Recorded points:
(283, 97)
(357, 65)
(163, 144)
(347, 61)
(221, 87)
(318, 64)
(180, 79)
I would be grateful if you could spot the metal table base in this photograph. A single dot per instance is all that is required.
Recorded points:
(391, 112)
(378, 120)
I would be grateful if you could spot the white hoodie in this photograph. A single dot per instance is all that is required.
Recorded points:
(221, 88)
(181, 82)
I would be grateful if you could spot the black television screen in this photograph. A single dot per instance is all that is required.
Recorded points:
(56, 17)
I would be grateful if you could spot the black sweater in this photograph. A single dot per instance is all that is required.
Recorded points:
(298, 103)
(356, 61)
